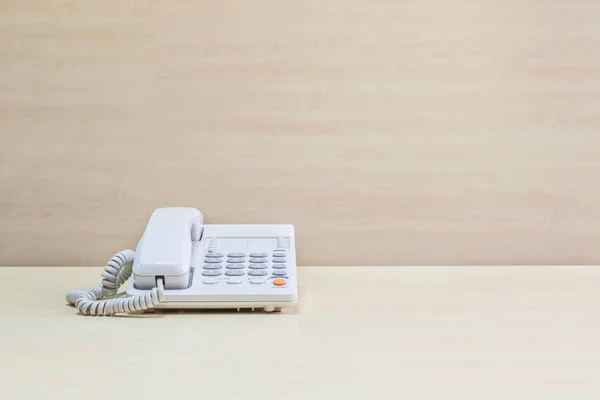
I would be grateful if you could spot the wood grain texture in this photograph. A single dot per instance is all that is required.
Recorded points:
(413, 132)
(475, 333)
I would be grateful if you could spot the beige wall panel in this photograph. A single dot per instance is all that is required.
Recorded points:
(387, 132)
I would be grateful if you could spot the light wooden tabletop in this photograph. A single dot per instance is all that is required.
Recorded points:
(374, 333)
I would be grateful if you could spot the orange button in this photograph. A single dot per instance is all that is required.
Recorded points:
(279, 282)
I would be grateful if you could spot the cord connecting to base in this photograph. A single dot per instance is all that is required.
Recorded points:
(93, 300)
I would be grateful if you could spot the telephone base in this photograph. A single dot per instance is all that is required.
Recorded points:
(231, 267)
(180, 263)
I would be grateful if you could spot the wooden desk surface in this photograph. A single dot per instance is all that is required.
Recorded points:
(382, 333)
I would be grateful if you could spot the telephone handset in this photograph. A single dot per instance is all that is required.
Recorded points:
(181, 263)
(165, 249)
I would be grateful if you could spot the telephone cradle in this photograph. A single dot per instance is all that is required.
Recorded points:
(180, 263)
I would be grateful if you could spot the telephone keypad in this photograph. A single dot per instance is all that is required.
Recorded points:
(257, 272)
(258, 266)
(262, 268)
(259, 260)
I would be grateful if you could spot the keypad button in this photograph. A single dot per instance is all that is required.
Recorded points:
(259, 260)
(257, 281)
(234, 282)
(214, 255)
(279, 272)
(210, 282)
(212, 266)
(277, 255)
(234, 272)
(235, 266)
(213, 260)
(236, 255)
(279, 266)
(257, 272)
(279, 282)
(211, 273)
(258, 254)
(258, 266)
(279, 260)
(235, 260)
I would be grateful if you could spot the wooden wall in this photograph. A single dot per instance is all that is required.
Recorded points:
(388, 132)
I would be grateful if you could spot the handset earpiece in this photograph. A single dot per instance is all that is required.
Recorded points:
(197, 228)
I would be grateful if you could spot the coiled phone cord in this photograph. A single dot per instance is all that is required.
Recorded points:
(90, 301)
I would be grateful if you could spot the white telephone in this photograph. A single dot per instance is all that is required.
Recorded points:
(181, 263)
